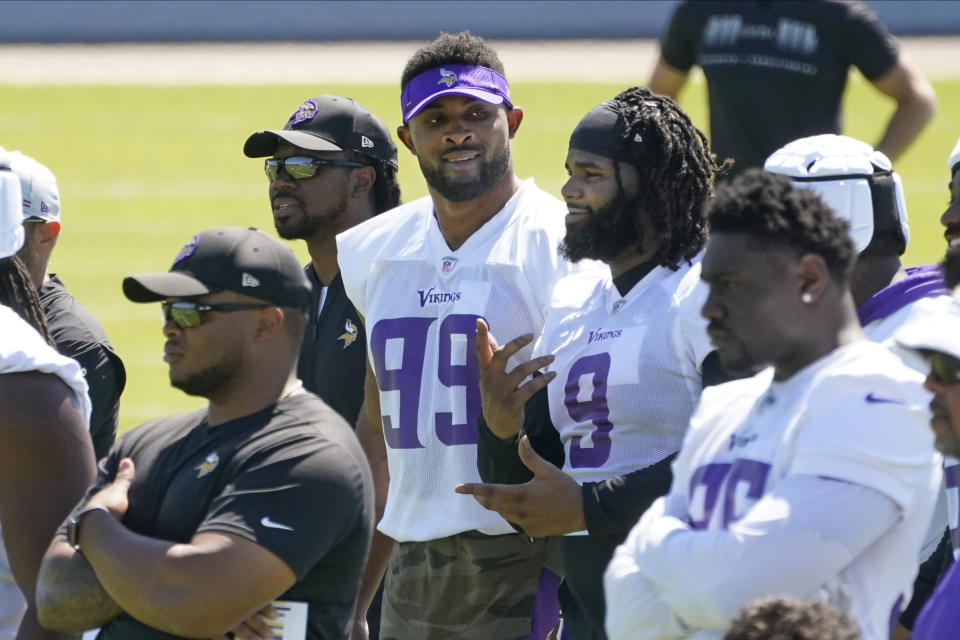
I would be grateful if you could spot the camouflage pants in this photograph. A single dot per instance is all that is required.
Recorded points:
(470, 586)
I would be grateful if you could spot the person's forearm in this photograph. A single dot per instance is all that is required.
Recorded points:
(168, 586)
(747, 561)
(905, 125)
(69, 596)
(615, 505)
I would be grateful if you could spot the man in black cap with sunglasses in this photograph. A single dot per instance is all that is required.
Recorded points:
(332, 166)
(262, 497)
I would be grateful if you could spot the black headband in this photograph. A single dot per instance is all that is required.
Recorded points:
(601, 132)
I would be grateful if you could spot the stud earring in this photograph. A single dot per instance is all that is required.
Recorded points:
(806, 298)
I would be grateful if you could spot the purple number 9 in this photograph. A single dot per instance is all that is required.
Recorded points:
(412, 336)
(459, 375)
(594, 410)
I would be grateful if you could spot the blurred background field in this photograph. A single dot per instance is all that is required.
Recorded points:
(142, 168)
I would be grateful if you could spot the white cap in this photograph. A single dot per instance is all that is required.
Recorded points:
(934, 331)
(954, 158)
(38, 187)
(822, 163)
(11, 222)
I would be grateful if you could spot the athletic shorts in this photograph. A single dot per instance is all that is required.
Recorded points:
(470, 586)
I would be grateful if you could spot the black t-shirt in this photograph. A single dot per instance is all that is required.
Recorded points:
(295, 463)
(776, 71)
(333, 355)
(78, 335)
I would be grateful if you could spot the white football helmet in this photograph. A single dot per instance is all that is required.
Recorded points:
(852, 178)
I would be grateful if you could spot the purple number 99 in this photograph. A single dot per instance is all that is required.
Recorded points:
(411, 335)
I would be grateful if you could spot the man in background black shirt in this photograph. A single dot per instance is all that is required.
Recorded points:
(776, 71)
(75, 332)
(332, 166)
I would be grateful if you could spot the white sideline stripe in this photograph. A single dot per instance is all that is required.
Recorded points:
(354, 62)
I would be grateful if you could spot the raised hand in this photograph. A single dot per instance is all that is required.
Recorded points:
(502, 395)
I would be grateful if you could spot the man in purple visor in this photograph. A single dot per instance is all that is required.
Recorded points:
(482, 244)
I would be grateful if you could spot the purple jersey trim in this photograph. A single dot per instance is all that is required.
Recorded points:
(921, 282)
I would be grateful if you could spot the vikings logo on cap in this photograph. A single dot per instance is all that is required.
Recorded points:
(447, 263)
(447, 77)
(188, 249)
(306, 112)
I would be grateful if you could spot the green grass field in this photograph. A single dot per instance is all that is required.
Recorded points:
(141, 169)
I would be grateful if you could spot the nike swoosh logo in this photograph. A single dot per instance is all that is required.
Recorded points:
(877, 400)
(267, 522)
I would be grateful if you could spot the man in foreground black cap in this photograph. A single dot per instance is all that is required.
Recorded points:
(332, 166)
(198, 521)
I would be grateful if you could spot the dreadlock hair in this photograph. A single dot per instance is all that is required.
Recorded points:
(777, 214)
(18, 293)
(451, 48)
(678, 182)
(386, 188)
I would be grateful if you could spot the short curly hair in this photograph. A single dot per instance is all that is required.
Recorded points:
(782, 618)
(451, 48)
(770, 208)
(676, 185)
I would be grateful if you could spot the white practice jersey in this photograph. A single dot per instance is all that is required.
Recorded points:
(857, 416)
(23, 349)
(420, 301)
(628, 368)
(886, 331)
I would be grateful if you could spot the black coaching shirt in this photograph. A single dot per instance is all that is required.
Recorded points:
(333, 355)
(78, 335)
(776, 70)
(295, 464)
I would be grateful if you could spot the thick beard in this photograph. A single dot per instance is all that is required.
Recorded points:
(310, 224)
(207, 382)
(951, 267)
(490, 174)
(605, 234)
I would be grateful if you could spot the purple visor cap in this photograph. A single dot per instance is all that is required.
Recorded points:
(463, 79)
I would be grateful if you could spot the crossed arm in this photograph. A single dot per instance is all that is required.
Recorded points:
(667, 578)
(185, 589)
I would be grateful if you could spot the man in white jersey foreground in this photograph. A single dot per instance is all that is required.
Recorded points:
(626, 344)
(482, 244)
(814, 478)
(860, 186)
(46, 459)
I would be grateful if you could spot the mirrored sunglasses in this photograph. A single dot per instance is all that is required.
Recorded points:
(302, 167)
(186, 313)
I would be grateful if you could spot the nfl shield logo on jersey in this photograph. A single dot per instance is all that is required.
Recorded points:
(618, 305)
(447, 263)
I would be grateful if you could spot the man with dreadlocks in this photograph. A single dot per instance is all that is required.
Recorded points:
(629, 348)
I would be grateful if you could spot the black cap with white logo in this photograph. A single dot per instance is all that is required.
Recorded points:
(328, 123)
(245, 261)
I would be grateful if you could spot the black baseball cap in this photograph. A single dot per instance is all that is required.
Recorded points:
(246, 261)
(328, 123)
